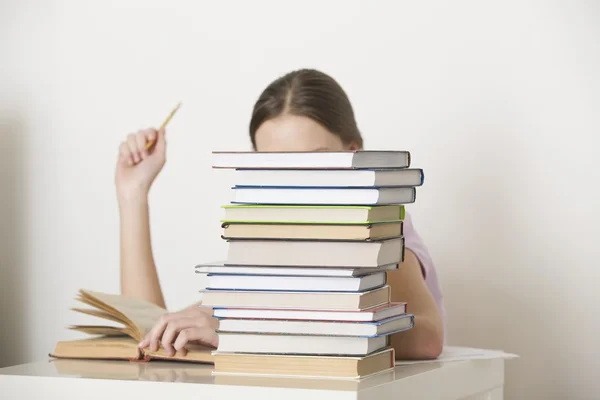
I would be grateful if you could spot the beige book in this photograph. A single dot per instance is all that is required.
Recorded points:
(307, 231)
(316, 253)
(311, 214)
(303, 365)
(135, 318)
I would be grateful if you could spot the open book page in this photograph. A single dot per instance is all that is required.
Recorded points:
(101, 314)
(140, 315)
(99, 330)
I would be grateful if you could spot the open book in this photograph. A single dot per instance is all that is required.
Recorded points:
(135, 318)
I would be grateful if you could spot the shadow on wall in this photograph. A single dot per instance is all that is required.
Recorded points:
(12, 240)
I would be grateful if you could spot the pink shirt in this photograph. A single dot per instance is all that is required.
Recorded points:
(413, 241)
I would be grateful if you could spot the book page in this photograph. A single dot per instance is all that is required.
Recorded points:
(102, 330)
(141, 314)
(101, 314)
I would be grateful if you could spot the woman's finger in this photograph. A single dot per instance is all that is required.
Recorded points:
(204, 334)
(172, 330)
(132, 142)
(141, 138)
(150, 136)
(157, 331)
(125, 155)
(144, 343)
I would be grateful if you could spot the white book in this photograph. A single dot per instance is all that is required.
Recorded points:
(329, 178)
(378, 313)
(296, 283)
(323, 196)
(328, 328)
(308, 253)
(299, 344)
(311, 160)
(341, 301)
(220, 268)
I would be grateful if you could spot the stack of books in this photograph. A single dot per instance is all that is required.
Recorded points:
(311, 237)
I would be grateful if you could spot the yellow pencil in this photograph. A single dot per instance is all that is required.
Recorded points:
(164, 124)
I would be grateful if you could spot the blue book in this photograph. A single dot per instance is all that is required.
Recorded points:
(323, 195)
(330, 178)
(369, 329)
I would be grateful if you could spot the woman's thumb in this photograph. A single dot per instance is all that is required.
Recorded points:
(160, 140)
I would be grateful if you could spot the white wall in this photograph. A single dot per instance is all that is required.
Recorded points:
(499, 103)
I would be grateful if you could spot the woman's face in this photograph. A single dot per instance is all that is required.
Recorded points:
(290, 133)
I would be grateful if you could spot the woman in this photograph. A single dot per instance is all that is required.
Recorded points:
(305, 110)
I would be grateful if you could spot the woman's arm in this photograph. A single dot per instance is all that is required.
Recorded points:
(136, 170)
(138, 270)
(425, 341)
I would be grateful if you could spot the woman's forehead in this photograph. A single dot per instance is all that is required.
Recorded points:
(295, 133)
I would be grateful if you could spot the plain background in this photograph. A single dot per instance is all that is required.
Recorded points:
(498, 102)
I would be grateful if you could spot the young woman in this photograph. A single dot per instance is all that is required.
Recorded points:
(305, 110)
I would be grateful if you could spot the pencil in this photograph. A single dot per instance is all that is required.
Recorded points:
(164, 124)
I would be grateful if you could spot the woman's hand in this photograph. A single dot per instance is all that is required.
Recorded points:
(137, 167)
(173, 331)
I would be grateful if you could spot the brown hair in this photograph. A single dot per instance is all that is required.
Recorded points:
(309, 93)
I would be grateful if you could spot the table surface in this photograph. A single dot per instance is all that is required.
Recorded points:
(157, 379)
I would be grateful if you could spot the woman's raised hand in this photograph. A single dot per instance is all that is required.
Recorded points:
(138, 165)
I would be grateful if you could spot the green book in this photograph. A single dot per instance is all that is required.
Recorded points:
(306, 214)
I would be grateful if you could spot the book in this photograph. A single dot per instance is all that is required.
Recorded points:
(296, 283)
(264, 343)
(379, 230)
(220, 268)
(360, 159)
(330, 178)
(134, 318)
(308, 253)
(327, 328)
(312, 214)
(376, 313)
(322, 195)
(310, 238)
(305, 365)
(296, 300)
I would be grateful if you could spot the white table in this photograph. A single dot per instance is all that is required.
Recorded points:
(102, 380)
